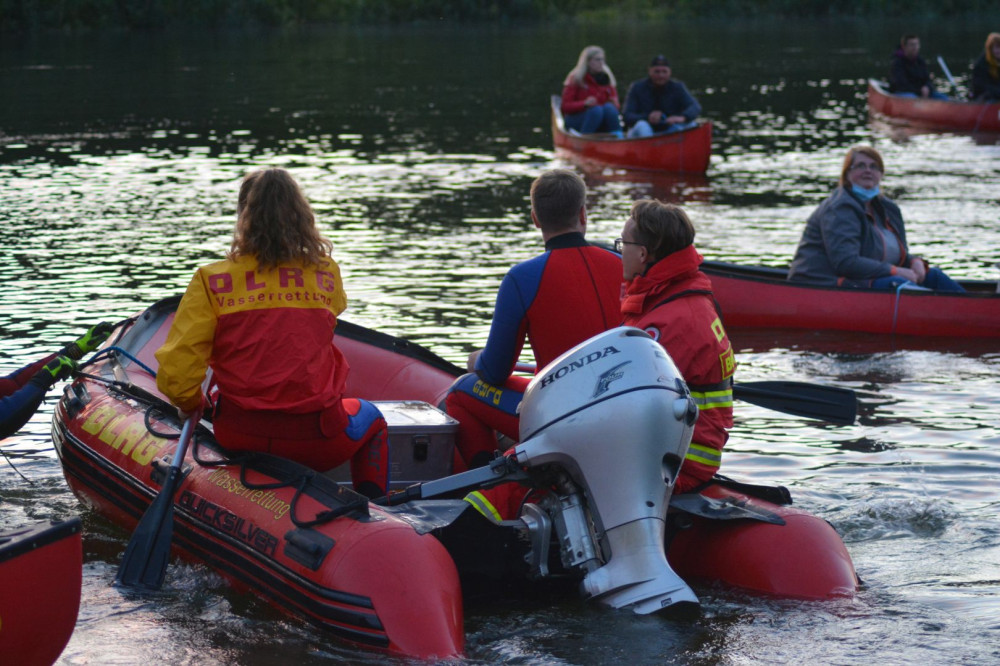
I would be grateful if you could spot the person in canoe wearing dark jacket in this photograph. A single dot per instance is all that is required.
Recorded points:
(671, 299)
(986, 72)
(856, 238)
(589, 96)
(908, 72)
(657, 104)
(22, 391)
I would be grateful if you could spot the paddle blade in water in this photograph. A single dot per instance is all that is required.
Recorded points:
(144, 564)
(814, 401)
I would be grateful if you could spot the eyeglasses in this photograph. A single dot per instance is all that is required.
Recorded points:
(864, 166)
(620, 244)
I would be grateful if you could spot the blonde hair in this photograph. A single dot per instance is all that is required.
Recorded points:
(275, 223)
(992, 39)
(576, 74)
(849, 160)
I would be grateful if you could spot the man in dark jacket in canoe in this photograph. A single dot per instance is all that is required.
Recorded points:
(908, 72)
(657, 104)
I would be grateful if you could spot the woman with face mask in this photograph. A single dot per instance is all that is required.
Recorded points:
(856, 238)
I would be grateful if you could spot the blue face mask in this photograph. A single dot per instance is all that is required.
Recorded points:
(865, 193)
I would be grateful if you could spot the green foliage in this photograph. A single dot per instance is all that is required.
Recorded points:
(29, 15)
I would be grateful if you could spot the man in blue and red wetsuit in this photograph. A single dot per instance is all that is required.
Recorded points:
(556, 300)
(22, 391)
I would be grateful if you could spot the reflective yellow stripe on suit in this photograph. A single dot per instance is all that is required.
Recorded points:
(483, 505)
(713, 399)
(705, 455)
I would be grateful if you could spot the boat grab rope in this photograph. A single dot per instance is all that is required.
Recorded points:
(348, 500)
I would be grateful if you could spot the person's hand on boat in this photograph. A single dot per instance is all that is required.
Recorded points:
(907, 273)
(470, 364)
(61, 367)
(673, 120)
(89, 341)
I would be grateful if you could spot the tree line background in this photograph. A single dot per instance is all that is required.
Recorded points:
(33, 15)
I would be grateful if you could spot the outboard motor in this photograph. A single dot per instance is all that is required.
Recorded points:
(613, 418)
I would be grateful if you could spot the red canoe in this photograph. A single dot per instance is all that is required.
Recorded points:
(40, 576)
(688, 151)
(933, 113)
(760, 297)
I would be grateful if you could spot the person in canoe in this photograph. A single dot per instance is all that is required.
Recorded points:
(659, 104)
(589, 97)
(856, 237)
(263, 319)
(986, 72)
(556, 300)
(671, 299)
(908, 72)
(22, 391)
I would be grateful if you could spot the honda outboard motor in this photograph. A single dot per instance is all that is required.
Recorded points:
(614, 416)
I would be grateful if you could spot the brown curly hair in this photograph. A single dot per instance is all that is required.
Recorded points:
(275, 223)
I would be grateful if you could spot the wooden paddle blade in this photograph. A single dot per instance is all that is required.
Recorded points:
(814, 401)
(144, 564)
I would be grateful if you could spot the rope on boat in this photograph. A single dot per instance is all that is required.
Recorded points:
(301, 482)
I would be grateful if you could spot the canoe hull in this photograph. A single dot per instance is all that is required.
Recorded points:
(757, 297)
(932, 113)
(41, 569)
(681, 152)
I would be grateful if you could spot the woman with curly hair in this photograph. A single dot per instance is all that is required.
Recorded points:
(263, 319)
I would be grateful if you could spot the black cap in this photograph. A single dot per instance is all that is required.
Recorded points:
(659, 61)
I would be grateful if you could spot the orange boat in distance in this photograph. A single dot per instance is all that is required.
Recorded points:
(935, 114)
(688, 151)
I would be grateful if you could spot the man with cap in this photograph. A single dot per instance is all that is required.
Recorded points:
(659, 104)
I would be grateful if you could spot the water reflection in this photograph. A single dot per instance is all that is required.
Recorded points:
(119, 164)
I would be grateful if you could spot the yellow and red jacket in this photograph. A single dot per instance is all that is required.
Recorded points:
(268, 336)
(673, 302)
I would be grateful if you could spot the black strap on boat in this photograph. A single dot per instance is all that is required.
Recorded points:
(773, 494)
(347, 500)
(693, 292)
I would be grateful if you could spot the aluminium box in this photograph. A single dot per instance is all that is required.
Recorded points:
(421, 443)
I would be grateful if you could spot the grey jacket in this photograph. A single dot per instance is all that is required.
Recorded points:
(840, 241)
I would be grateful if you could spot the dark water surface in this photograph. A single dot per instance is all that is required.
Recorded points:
(119, 164)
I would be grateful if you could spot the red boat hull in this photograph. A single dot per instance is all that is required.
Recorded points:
(803, 559)
(934, 113)
(40, 576)
(757, 297)
(688, 151)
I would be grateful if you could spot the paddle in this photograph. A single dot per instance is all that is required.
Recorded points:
(144, 563)
(813, 401)
(947, 73)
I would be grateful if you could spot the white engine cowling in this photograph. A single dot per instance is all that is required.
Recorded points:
(615, 413)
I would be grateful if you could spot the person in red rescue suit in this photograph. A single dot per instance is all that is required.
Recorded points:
(263, 319)
(22, 391)
(556, 300)
(668, 297)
